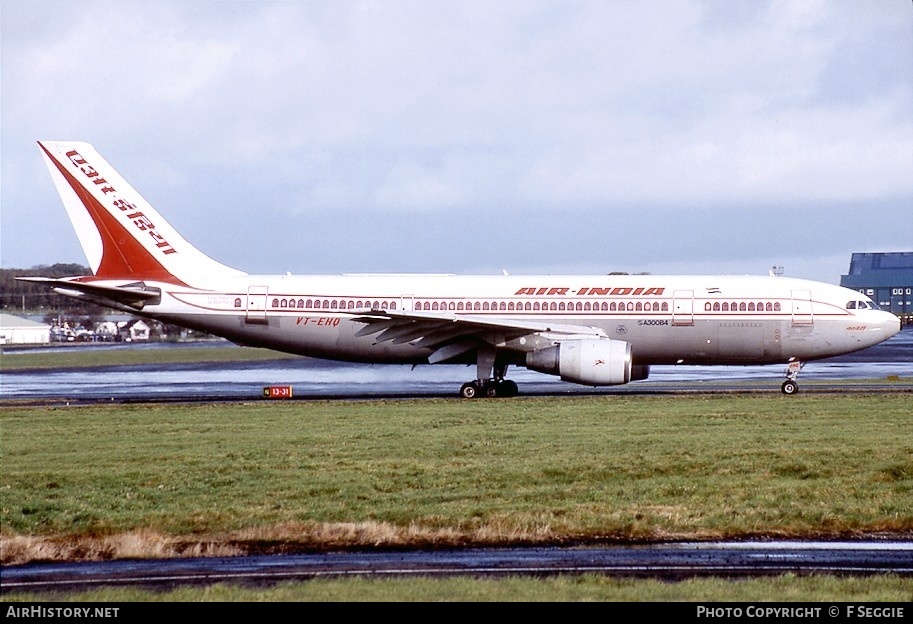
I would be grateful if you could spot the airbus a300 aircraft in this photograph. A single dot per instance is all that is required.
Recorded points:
(595, 330)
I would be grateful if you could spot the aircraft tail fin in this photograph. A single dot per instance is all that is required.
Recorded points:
(122, 235)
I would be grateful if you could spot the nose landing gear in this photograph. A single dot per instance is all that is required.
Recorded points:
(791, 386)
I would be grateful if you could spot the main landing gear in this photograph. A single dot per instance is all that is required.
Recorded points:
(490, 380)
(489, 388)
(791, 386)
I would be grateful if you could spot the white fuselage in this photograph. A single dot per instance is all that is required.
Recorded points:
(666, 319)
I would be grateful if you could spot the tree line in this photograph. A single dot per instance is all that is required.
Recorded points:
(29, 298)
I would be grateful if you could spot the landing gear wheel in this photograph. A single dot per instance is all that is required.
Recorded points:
(492, 390)
(789, 387)
(508, 388)
(469, 390)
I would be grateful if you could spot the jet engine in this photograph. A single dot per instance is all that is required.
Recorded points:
(587, 361)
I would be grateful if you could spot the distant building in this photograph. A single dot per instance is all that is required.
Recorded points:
(15, 330)
(133, 330)
(885, 277)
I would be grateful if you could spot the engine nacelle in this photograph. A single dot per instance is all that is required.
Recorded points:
(587, 361)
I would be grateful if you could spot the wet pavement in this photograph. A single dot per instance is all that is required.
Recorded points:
(887, 364)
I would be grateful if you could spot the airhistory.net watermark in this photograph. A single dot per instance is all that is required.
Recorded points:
(38, 611)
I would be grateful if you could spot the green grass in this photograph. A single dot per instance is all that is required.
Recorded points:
(78, 356)
(172, 480)
(584, 588)
(560, 468)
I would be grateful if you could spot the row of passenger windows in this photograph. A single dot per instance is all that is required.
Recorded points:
(511, 306)
(555, 306)
(751, 306)
(327, 304)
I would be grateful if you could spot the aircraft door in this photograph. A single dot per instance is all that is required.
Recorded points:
(256, 304)
(683, 307)
(802, 307)
(406, 302)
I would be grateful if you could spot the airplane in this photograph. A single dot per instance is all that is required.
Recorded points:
(592, 330)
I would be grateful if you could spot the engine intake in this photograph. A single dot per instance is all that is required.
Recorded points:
(586, 361)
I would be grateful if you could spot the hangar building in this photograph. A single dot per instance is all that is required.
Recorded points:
(15, 330)
(886, 277)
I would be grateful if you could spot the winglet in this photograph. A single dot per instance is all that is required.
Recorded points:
(122, 235)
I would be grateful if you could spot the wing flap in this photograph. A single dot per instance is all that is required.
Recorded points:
(436, 330)
(451, 351)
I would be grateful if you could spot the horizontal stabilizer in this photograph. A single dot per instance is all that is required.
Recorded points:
(134, 294)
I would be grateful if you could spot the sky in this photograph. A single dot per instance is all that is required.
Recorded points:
(656, 136)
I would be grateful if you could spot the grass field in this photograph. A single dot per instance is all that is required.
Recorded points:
(279, 476)
(83, 356)
(585, 588)
(178, 480)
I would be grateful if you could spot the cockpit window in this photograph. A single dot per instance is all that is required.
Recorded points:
(850, 305)
(862, 305)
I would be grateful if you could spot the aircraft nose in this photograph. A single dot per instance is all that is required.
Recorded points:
(891, 325)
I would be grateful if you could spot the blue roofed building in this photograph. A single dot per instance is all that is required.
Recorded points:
(886, 277)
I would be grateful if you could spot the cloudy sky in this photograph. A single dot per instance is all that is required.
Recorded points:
(469, 137)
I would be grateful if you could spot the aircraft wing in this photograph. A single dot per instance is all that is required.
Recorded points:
(450, 335)
(135, 294)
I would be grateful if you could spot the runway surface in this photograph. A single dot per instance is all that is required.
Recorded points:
(885, 367)
(663, 561)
